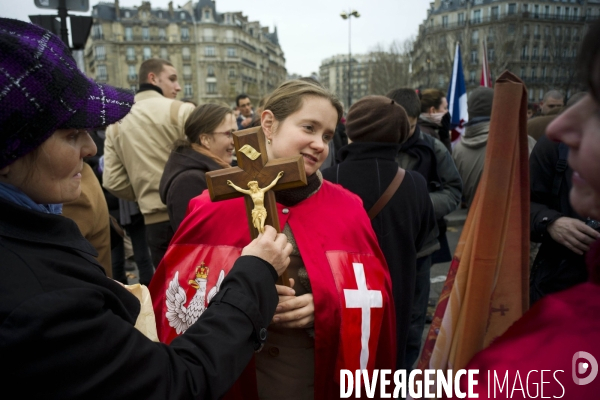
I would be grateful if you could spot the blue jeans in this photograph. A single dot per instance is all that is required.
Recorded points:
(141, 254)
(419, 311)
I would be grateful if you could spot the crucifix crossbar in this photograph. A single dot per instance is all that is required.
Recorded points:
(254, 165)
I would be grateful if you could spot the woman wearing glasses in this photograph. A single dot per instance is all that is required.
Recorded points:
(209, 146)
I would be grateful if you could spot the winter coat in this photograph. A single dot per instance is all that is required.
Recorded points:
(402, 226)
(183, 179)
(67, 327)
(90, 213)
(137, 148)
(469, 157)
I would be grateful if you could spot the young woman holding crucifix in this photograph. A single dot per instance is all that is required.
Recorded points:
(341, 315)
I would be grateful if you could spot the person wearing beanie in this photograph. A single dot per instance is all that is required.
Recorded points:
(469, 152)
(377, 126)
(63, 323)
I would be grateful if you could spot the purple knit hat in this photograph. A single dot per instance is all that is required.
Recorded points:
(42, 90)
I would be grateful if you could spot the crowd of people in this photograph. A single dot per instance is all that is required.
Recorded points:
(86, 168)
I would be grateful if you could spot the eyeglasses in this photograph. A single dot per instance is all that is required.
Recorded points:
(229, 134)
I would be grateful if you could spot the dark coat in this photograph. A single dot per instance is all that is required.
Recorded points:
(182, 180)
(403, 224)
(67, 331)
(546, 208)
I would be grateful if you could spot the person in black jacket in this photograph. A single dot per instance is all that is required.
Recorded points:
(377, 126)
(564, 235)
(208, 147)
(66, 330)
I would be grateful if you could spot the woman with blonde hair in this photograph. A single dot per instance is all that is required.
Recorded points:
(208, 147)
(326, 325)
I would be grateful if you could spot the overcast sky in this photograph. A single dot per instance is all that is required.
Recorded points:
(309, 30)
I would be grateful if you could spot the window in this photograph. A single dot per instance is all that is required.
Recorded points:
(544, 72)
(575, 34)
(491, 53)
(511, 29)
(209, 51)
(536, 31)
(145, 33)
(160, 14)
(231, 72)
(147, 53)
(97, 32)
(127, 14)
(474, 57)
(164, 54)
(206, 14)
(494, 13)
(574, 52)
(558, 12)
(187, 90)
(477, 16)
(531, 95)
(161, 34)
(131, 73)
(461, 18)
(185, 33)
(536, 11)
(187, 72)
(512, 8)
(100, 53)
(535, 51)
(547, 11)
(211, 87)
(185, 53)
(129, 33)
(525, 30)
(472, 77)
(541, 95)
(231, 52)
(525, 52)
(210, 70)
(130, 53)
(575, 13)
(525, 8)
(475, 36)
(101, 73)
(445, 21)
(532, 74)
(182, 15)
(522, 74)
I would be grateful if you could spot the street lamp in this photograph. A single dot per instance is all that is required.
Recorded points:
(348, 15)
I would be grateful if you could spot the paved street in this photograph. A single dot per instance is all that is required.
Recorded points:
(439, 271)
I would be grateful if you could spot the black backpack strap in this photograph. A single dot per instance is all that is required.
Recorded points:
(560, 168)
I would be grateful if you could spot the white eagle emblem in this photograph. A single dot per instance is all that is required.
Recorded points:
(181, 317)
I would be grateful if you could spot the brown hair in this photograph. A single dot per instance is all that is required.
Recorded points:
(154, 65)
(289, 97)
(431, 98)
(204, 119)
(408, 99)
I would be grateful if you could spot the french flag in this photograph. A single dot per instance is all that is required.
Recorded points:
(457, 98)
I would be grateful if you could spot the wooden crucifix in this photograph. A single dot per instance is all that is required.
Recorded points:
(255, 173)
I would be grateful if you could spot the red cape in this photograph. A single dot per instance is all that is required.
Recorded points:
(337, 243)
(561, 332)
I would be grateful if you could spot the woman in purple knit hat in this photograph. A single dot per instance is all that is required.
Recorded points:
(66, 330)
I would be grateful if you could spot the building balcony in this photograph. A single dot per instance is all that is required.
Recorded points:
(187, 77)
(132, 77)
(209, 38)
(98, 36)
(102, 78)
(537, 36)
(185, 38)
(251, 63)
(186, 57)
(524, 57)
(130, 58)
(100, 57)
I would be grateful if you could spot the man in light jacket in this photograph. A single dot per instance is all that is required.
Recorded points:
(137, 148)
